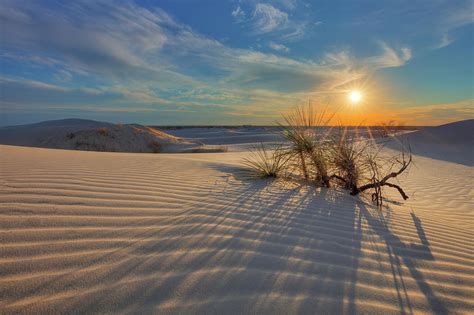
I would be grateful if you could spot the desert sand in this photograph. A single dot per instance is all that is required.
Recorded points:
(90, 135)
(98, 232)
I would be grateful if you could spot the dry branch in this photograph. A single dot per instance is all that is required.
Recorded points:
(377, 184)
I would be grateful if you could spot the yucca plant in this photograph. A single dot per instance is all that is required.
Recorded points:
(347, 158)
(302, 129)
(265, 162)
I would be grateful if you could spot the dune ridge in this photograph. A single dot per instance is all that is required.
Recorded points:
(453, 142)
(139, 233)
(90, 135)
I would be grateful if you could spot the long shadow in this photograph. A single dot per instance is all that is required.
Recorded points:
(263, 246)
(267, 256)
(409, 254)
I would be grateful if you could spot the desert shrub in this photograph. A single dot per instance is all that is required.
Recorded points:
(103, 131)
(389, 128)
(347, 158)
(155, 146)
(321, 158)
(265, 162)
(360, 166)
(380, 170)
(208, 149)
(303, 130)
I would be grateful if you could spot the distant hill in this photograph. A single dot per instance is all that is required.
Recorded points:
(90, 135)
(460, 132)
(34, 134)
(452, 142)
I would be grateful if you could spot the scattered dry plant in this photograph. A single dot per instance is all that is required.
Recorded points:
(267, 163)
(321, 158)
(347, 158)
(303, 129)
(381, 170)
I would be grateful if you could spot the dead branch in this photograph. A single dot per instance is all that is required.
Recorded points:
(337, 177)
(377, 184)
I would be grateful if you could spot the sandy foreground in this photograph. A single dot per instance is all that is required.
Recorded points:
(90, 232)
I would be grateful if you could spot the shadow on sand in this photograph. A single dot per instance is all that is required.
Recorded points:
(258, 246)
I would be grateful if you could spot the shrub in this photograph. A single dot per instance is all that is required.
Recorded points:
(103, 132)
(155, 146)
(347, 158)
(266, 163)
(320, 158)
(303, 130)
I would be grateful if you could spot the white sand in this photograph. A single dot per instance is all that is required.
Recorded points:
(89, 135)
(85, 232)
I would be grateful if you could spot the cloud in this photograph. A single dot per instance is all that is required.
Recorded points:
(272, 19)
(267, 18)
(93, 37)
(452, 19)
(138, 57)
(238, 14)
(278, 47)
(288, 4)
(445, 41)
(389, 58)
(437, 113)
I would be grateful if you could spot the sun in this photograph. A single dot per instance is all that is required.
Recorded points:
(355, 96)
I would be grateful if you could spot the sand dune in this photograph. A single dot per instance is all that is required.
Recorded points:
(453, 142)
(98, 232)
(89, 135)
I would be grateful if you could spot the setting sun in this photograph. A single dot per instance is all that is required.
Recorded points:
(355, 96)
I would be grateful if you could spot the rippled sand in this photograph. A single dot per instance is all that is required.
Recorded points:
(142, 233)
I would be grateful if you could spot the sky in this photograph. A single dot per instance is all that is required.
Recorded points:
(203, 62)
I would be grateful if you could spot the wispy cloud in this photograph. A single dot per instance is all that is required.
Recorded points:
(437, 113)
(267, 18)
(238, 14)
(272, 19)
(453, 19)
(278, 47)
(390, 57)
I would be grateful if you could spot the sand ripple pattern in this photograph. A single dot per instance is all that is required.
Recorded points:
(86, 232)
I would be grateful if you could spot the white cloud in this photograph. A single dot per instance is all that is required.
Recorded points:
(238, 14)
(389, 58)
(273, 20)
(288, 4)
(445, 41)
(453, 19)
(278, 47)
(267, 18)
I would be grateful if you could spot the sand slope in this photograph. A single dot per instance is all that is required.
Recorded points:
(33, 134)
(89, 135)
(142, 233)
(453, 142)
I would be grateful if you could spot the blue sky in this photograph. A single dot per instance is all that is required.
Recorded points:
(235, 62)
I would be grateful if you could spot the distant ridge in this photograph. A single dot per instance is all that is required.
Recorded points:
(453, 142)
(459, 132)
(33, 134)
(61, 122)
(90, 135)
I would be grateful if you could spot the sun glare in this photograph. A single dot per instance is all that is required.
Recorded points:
(355, 96)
